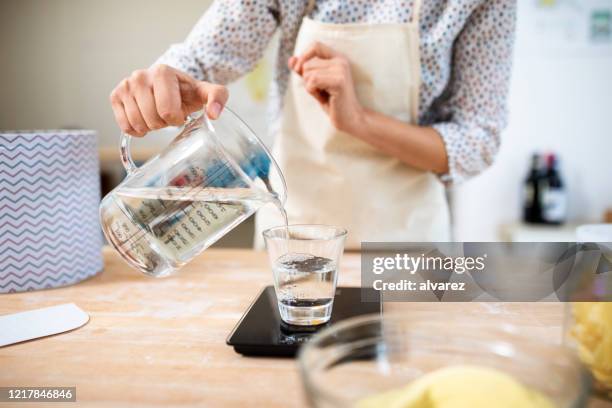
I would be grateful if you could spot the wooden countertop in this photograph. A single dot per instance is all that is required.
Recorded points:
(111, 154)
(161, 342)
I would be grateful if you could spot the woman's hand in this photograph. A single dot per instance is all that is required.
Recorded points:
(327, 77)
(162, 96)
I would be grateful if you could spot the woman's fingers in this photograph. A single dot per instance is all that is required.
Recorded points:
(143, 114)
(121, 118)
(167, 95)
(119, 109)
(317, 49)
(322, 80)
(161, 96)
(146, 104)
(126, 111)
(322, 96)
(317, 64)
(330, 75)
(323, 84)
(214, 97)
(291, 62)
(134, 116)
(196, 94)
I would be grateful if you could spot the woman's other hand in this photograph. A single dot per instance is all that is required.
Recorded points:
(162, 96)
(327, 77)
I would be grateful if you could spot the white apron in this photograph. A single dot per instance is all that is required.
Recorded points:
(334, 178)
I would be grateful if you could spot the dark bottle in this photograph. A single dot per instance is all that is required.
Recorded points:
(553, 194)
(532, 201)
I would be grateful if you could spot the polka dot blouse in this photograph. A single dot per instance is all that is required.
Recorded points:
(466, 54)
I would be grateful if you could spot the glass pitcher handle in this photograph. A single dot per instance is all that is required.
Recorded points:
(126, 156)
(124, 145)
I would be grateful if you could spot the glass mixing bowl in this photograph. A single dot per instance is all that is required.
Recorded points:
(368, 355)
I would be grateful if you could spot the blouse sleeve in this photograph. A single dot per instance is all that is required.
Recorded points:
(474, 112)
(226, 42)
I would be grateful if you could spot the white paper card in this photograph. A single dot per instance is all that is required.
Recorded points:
(18, 327)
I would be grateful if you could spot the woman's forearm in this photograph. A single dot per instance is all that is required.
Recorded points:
(418, 146)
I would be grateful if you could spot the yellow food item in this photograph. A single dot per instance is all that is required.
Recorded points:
(592, 331)
(257, 81)
(460, 387)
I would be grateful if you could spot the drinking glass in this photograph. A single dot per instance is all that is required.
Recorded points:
(305, 261)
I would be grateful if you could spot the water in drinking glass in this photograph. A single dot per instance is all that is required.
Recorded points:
(305, 286)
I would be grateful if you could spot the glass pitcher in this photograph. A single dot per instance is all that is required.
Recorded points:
(210, 178)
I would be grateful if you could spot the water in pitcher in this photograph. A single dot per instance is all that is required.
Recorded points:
(161, 229)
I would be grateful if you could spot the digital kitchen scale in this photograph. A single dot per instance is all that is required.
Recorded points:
(261, 332)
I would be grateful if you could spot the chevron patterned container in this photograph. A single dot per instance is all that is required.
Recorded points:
(49, 197)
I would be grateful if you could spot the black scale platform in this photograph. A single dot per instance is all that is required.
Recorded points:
(261, 332)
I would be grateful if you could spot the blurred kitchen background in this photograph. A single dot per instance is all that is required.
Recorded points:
(61, 58)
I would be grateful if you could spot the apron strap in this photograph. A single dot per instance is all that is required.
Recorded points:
(310, 7)
(416, 11)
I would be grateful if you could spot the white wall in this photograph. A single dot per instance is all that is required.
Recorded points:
(561, 100)
(61, 58)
